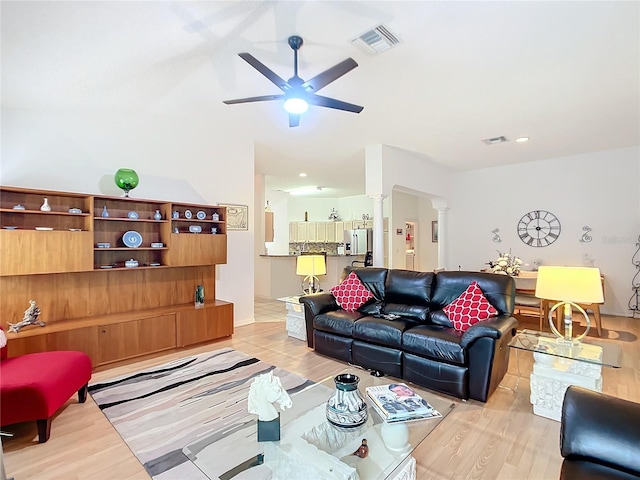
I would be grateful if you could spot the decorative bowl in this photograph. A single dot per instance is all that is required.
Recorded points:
(133, 215)
(132, 239)
(131, 263)
(103, 245)
(157, 245)
(75, 210)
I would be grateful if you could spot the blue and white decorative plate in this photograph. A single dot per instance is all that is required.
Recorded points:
(133, 215)
(201, 215)
(132, 239)
(187, 214)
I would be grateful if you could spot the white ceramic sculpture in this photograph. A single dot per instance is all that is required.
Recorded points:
(266, 390)
(30, 318)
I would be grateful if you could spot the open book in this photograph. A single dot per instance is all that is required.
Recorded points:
(397, 402)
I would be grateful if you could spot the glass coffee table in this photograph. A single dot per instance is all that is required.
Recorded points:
(311, 448)
(557, 365)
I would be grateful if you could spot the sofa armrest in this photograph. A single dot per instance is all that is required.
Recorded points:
(600, 428)
(495, 327)
(315, 304)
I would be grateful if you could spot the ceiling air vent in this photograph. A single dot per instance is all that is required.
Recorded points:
(494, 140)
(377, 40)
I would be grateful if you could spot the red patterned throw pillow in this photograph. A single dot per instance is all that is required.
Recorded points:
(469, 308)
(351, 293)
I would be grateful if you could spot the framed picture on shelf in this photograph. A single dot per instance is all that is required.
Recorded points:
(434, 231)
(237, 216)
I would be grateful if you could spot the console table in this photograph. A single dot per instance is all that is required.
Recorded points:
(558, 365)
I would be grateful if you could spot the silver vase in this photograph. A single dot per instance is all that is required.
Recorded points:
(346, 408)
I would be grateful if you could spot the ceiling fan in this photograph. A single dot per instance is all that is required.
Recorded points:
(298, 94)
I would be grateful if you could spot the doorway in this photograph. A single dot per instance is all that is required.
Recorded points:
(411, 243)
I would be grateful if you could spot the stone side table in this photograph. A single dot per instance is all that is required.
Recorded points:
(295, 324)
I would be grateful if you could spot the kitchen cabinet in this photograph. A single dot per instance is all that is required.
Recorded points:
(331, 233)
(301, 229)
(268, 227)
(321, 231)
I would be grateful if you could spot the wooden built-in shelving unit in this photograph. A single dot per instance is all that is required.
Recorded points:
(90, 300)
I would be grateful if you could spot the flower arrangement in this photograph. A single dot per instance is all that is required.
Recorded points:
(506, 264)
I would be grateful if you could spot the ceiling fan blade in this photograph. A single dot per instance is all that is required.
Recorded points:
(262, 98)
(266, 71)
(294, 120)
(325, 78)
(333, 103)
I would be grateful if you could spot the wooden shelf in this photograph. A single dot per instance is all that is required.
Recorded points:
(110, 313)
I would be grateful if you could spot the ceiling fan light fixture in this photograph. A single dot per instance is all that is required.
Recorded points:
(296, 105)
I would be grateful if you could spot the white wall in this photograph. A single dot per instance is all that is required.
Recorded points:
(178, 158)
(599, 190)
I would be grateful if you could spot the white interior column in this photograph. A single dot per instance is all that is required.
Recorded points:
(378, 230)
(440, 205)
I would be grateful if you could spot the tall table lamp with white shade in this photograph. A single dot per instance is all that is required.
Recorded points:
(569, 286)
(310, 266)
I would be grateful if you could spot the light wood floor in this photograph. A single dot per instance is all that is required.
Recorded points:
(501, 439)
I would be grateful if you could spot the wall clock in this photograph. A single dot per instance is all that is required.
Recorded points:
(539, 228)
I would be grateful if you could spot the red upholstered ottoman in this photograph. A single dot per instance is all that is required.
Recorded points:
(36, 385)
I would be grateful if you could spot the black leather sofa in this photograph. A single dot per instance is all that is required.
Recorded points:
(599, 436)
(420, 346)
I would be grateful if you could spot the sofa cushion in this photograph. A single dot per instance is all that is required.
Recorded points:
(339, 322)
(374, 278)
(351, 293)
(498, 289)
(381, 331)
(409, 287)
(435, 342)
(469, 308)
(415, 312)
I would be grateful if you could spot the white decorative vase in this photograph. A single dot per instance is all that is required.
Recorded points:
(45, 205)
(395, 436)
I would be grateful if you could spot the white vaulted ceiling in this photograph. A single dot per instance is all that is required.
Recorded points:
(565, 74)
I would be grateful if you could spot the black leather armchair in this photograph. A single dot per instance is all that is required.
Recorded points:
(599, 437)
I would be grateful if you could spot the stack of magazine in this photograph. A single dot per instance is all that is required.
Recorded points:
(397, 402)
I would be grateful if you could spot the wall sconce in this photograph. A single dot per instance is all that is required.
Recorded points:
(586, 238)
(496, 238)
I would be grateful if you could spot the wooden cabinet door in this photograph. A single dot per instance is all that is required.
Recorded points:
(27, 252)
(331, 232)
(339, 229)
(190, 249)
(82, 339)
(321, 231)
(293, 232)
(204, 324)
(302, 228)
(118, 341)
(268, 227)
(368, 224)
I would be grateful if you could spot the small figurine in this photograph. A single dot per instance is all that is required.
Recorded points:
(265, 390)
(363, 450)
(30, 318)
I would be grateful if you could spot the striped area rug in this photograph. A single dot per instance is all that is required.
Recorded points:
(169, 413)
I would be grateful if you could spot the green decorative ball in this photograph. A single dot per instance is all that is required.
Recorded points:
(127, 180)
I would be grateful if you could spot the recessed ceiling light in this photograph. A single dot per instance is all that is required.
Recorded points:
(302, 174)
(522, 139)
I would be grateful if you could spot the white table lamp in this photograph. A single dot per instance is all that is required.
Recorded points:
(569, 286)
(310, 266)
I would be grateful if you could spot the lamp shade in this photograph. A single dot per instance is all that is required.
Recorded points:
(311, 265)
(570, 284)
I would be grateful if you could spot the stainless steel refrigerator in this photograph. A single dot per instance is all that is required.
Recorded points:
(359, 241)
